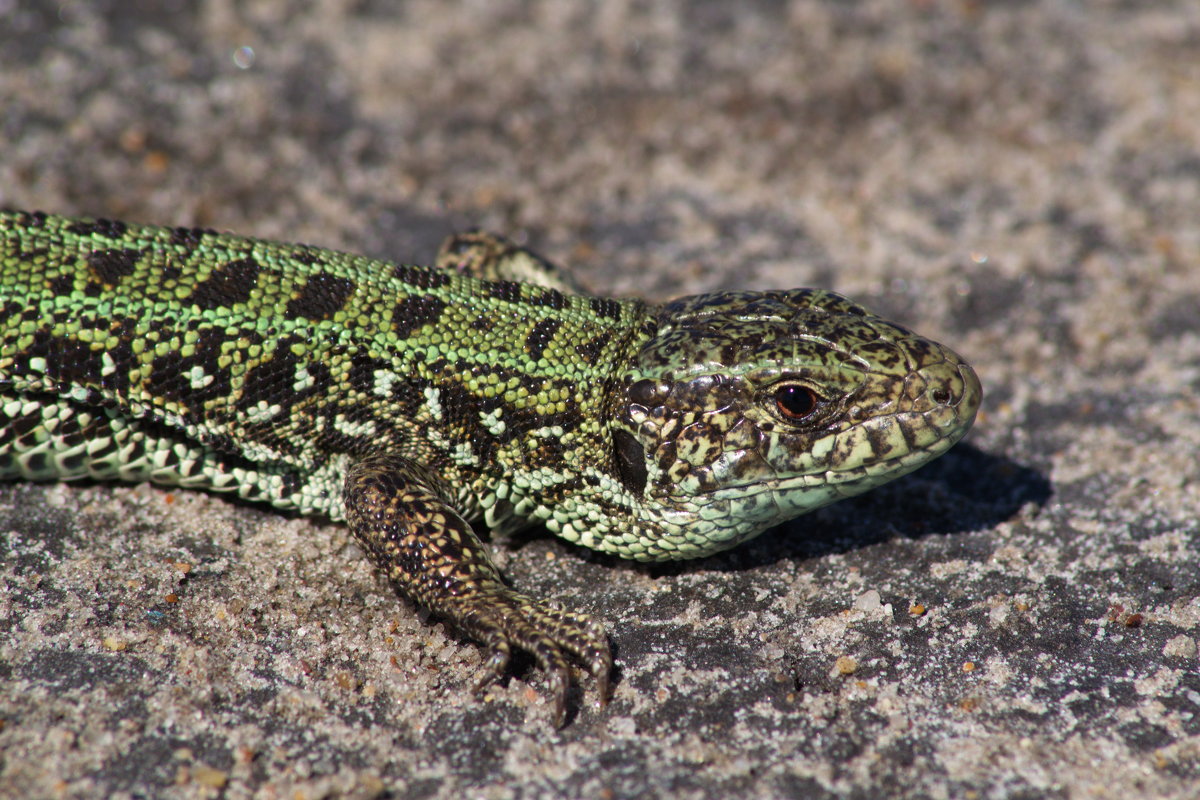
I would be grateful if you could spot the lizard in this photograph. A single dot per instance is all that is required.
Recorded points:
(422, 404)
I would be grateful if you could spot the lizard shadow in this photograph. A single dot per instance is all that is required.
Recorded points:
(966, 491)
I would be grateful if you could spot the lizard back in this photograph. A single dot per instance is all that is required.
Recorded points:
(214, 361)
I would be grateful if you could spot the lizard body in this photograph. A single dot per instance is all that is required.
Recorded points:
(415, 402)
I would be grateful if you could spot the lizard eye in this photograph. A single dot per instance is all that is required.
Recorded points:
(795, 402)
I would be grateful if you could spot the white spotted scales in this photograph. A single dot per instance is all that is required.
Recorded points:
(415, 402)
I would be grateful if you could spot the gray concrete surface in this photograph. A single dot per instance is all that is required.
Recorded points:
(1019, 180)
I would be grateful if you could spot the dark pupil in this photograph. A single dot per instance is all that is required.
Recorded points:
(795, 402)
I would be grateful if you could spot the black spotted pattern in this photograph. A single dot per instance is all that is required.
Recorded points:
(67, 360)
(591, 350)
(413, 312)
(540, 337)
(323, 295)
(309, 256)
(109, 266)
(508, 291)
(227, 285)
(549, 298)
(103, 228)
(606, 307)
(421, 277)
(272, 381)
(173, 375)
(189, 238)
(63, 284)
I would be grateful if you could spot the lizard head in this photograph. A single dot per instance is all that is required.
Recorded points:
(745, 409)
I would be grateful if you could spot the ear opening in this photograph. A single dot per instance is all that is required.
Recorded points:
(631, 461)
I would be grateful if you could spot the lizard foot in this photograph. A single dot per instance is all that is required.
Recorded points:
(503, 619)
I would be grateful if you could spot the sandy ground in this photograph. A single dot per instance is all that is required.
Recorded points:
(1019, 180)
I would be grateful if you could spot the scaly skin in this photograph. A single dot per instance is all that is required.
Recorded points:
(413, 402)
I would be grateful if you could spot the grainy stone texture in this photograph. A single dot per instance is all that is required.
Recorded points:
(1019, 180)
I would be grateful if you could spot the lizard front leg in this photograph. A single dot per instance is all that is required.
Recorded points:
(402, 516)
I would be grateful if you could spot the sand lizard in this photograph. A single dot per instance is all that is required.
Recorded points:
(414, 403)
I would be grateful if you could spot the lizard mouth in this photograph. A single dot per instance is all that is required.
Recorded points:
(878, 450)
(859, 478)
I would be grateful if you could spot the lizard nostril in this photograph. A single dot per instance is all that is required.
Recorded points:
(940, 395)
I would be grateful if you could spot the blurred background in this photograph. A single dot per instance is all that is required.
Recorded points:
(1020, 180)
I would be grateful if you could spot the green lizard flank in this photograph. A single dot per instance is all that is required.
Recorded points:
(415, 402)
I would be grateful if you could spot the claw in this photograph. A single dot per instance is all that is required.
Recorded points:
(497, 663)
(560, 681)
